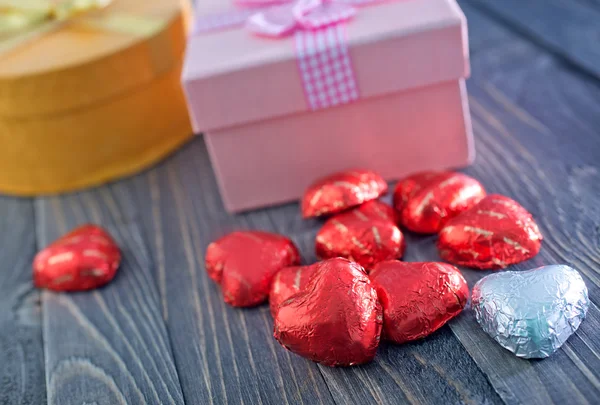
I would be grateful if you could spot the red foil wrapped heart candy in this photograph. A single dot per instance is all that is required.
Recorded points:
(288, 282)
(494, 234)
(365, 235)
(376, 210)
(335, 320)
(341, 191)
(417, 298)
(245, 262)
(426, 201)
(84, 259)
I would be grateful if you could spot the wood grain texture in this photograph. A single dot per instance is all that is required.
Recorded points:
(534, 120)
(224, 355)
(109, 346)
(566, 27)
(161, 334)
(591, 3)
(228, 355)
(22, 379)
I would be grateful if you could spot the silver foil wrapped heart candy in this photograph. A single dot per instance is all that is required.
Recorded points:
(531, 313)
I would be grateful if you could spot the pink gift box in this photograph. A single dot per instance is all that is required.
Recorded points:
(268, 143)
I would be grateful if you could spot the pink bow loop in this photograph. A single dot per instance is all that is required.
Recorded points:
(259, 3)
(279, 18)
(284, 19)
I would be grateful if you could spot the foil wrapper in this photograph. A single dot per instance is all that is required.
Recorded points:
(493, 234)
(377, 210)
(288, 282)
(244, 263)
(417, 298)
(341, 191)
(426, 201)
(84, 259)
(335, 320)
(531, 313)
(366, 235)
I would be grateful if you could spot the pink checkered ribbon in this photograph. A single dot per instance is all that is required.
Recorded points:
(325, 67)
(320, 35)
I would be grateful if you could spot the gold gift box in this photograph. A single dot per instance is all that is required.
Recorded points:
(82, 104)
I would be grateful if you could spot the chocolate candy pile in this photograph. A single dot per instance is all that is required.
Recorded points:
(336, 311)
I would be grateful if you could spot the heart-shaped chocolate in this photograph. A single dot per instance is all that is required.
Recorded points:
(417, 298)
(531, 313)
(335, 320)
(377, 210)
(245, 262)
(426, 201)
(84, 259)
(288, 282)
(365, 235)
(493, 234)
(341, 191)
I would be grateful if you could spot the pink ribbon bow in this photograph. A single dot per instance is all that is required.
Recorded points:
(322, 53)
(279, 18)
(283, 19)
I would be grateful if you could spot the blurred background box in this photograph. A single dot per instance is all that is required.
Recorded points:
(95, 98)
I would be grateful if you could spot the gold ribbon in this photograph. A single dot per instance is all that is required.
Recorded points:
(23, 21)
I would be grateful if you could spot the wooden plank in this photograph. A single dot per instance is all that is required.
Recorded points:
(229, 354)
(109, 346)
(590, 3)
(22, 378)
(224, 355)
(482, 35)
(534, 122)
(572, 374)
(568, 28)
(167, 217)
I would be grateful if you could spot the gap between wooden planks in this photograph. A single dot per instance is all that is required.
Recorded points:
(120, 205)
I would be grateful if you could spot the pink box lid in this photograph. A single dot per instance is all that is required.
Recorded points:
(232, 77)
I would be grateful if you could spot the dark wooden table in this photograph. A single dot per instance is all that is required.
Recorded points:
(160, 333)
